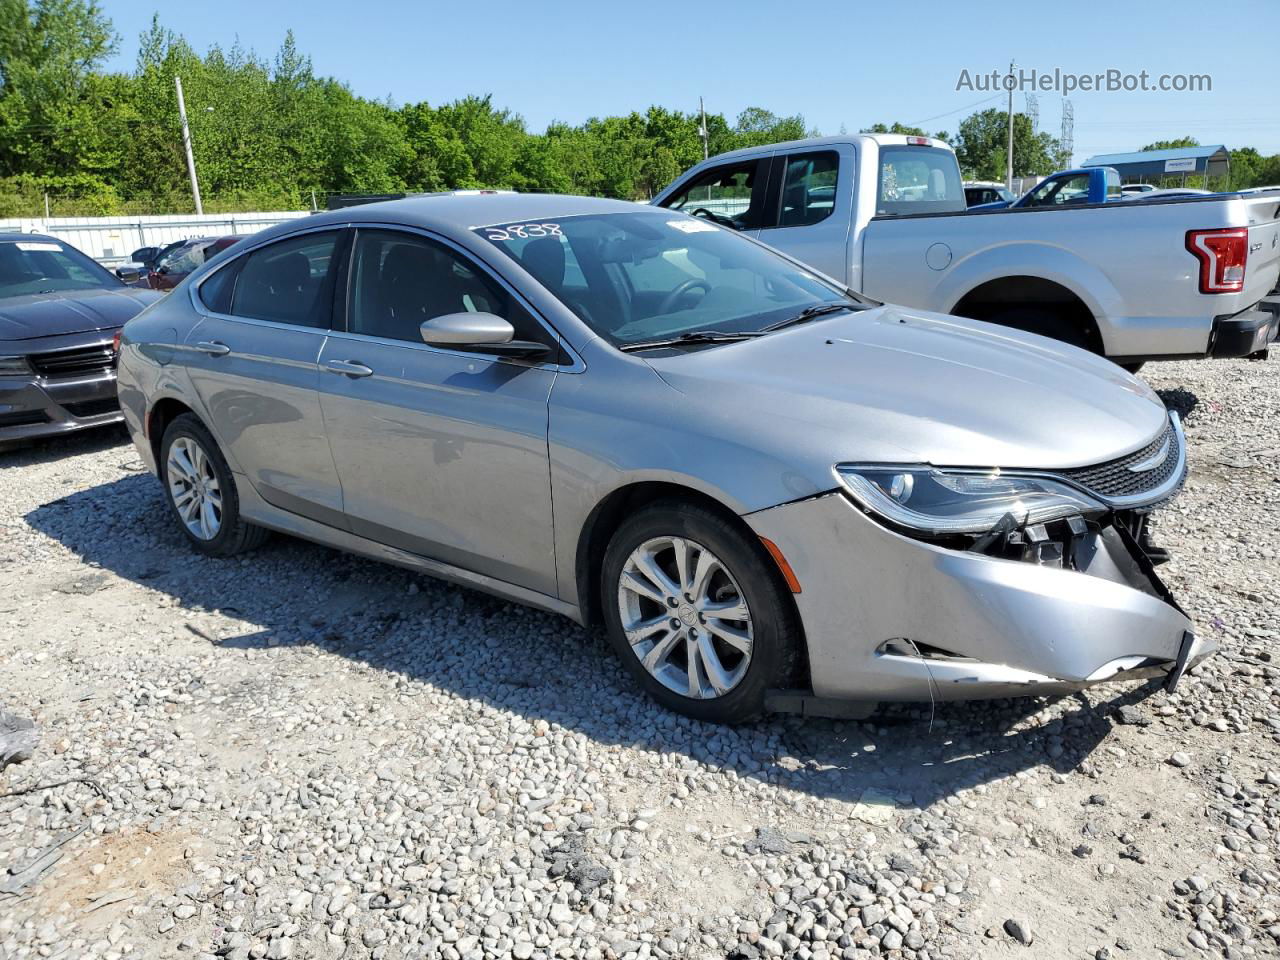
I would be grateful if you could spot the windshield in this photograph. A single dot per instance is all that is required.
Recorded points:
(46, 266)
(654, 275)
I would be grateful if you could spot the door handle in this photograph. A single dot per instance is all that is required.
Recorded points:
(213, 348)
(350, 368)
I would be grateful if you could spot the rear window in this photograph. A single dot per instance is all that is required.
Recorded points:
(918, 180)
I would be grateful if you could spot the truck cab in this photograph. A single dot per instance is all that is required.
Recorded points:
(800, 196)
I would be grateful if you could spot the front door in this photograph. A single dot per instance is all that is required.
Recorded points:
(252, 359)
(731, 194)
(441, 453)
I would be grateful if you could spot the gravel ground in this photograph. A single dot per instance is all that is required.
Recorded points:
(301, 753)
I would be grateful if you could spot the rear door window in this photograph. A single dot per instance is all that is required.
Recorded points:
(918, 180)
(809, 188)
(289, 281)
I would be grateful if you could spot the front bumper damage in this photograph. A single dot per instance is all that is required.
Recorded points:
(891, 618)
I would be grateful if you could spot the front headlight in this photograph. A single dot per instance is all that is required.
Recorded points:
(935, 501)
(10, 365)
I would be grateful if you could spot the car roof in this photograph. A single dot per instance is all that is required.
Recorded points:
(16, 235)
(458, 212)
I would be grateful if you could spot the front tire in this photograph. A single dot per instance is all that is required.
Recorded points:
(201, 491)
(698, 612)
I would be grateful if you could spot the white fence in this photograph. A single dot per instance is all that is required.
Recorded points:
(111, 239)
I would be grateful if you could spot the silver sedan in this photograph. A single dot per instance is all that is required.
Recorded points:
(772, 493)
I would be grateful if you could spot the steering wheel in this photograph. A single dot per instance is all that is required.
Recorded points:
(672, 298)
(705, 214)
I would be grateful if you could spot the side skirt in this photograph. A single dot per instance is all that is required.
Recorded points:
(256, 510)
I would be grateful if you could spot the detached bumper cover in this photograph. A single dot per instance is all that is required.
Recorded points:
(872, 599)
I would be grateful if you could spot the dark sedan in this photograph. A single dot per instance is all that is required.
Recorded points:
(59, 313)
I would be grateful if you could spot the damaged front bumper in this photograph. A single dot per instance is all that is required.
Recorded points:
(888, 617)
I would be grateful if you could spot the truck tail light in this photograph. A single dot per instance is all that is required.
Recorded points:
(1222, 255)
(918, 141)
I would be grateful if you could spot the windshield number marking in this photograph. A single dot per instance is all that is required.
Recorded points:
(522, 231)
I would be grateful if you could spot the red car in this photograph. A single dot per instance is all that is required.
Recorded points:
(182, 260)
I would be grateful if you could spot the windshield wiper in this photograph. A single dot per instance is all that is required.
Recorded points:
(692, 337)
(812, 313)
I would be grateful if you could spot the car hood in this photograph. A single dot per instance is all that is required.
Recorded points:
(894, 385)
(51, 314)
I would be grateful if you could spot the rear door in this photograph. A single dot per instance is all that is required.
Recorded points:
(252, 359)
(811, 211)
(442, 453)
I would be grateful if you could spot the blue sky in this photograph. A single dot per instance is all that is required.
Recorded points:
(837, 63)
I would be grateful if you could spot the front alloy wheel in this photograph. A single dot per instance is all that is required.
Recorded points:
(698, 612)
(685, 617)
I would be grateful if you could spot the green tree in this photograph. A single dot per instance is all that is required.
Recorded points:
(982, 143)
(902, 128)
(1172, 144)
(53, 105)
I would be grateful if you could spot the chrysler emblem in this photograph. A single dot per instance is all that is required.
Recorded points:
(1153, 461)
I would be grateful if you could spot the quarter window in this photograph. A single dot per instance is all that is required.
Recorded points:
(288, 281)
(401, 280)
(809, 188)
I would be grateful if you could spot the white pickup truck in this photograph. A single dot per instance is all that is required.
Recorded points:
(885, 214)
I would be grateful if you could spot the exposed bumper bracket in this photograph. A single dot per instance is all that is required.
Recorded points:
(1180, 665)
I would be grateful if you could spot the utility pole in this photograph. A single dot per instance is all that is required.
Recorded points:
(702, 130)
(1008, 172)
(186, 145)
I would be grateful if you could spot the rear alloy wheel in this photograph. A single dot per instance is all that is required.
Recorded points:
(194, 488)
(696, 610)
(202, 492)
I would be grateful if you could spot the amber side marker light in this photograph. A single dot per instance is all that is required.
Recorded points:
(789, 575)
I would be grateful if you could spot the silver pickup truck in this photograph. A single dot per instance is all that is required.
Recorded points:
(1164, 278)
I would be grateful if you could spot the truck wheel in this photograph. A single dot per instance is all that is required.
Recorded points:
(698, 612)
(1046, 323)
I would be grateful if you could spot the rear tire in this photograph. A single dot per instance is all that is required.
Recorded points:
(201, 491)
(684, 583)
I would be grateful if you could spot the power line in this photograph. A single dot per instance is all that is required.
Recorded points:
(939, 116)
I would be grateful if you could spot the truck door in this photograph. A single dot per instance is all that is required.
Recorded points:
(812, 208)
(732, 194)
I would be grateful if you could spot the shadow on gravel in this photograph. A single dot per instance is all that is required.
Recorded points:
(25, 453)
(538, 665)
(1179, 399)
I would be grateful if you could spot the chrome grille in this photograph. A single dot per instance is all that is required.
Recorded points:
(1115, 478)
(70, 363)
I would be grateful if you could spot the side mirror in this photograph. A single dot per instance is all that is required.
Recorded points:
(129, 274)
(479, 333)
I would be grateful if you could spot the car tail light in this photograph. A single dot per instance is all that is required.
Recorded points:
(918, 141)
(1222, 255)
